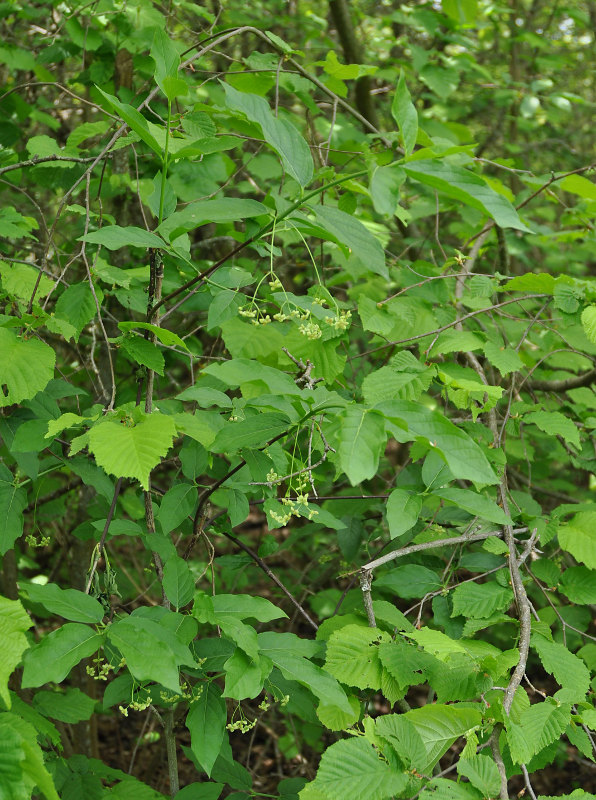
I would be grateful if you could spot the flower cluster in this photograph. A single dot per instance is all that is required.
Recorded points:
(242, 725)
(341, 321)
(311, 330)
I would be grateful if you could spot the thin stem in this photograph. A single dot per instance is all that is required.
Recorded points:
(164, 168)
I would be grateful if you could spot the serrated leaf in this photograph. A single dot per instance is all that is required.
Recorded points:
(404, 113)
(589, 322)
(21, 761)
(480, 600)
(353, 656)
(27, 367)
(353, 768)
(70, 706)
(361, 439)
(387, 384)
(403, 509)
(505, 359)
(469, 188)
(555, 424)
(568, 669)
(68, 603)
(541, 282)
(132, 452)
(77, 306)
(349, 232)
(52, 659)
(539, 726)
(579, 538)
(14, 621)
(578, 584)
(482, 772)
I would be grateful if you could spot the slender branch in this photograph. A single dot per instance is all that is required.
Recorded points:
(102, 541)
(453, 324)
(31, 162)
(585, 379)
(365, 585)
(498, 759)
(203, 276)
(416, 548)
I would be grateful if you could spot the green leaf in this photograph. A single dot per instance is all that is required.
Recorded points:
(68, 603)
(589, 321)
(579, 585)
(467, 187)
(114, 237)
(403, 509)
(27, 367)
(151, 651)
(21, 761)
(476, 504)
(540, 282)
(177, 504)
(70, 706)
(250, 432)
(555, 424)
(169, 338)
(245, 676)
(351, 234)
(245, 606)
(167, 61)
(404, 113)
(385, 184)
(206, 721)
(352, 768)
(464, 457)
(52, 659)
(135, 121)
(505, 359)
(567, 669)
(224, 209)
(132, 452)
(13, 500)
(579, 538)
(482, 772)
(388, 384)
(353, 656)
(77, 306)
(178, 583)
(298, 668)
(480, 600)
(14, 621)
(410, 580)
(143, 352)
(439, 726)
(361, 439)
(277, 132)
(539, 726)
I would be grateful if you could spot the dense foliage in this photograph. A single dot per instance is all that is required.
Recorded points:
(297, 355)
